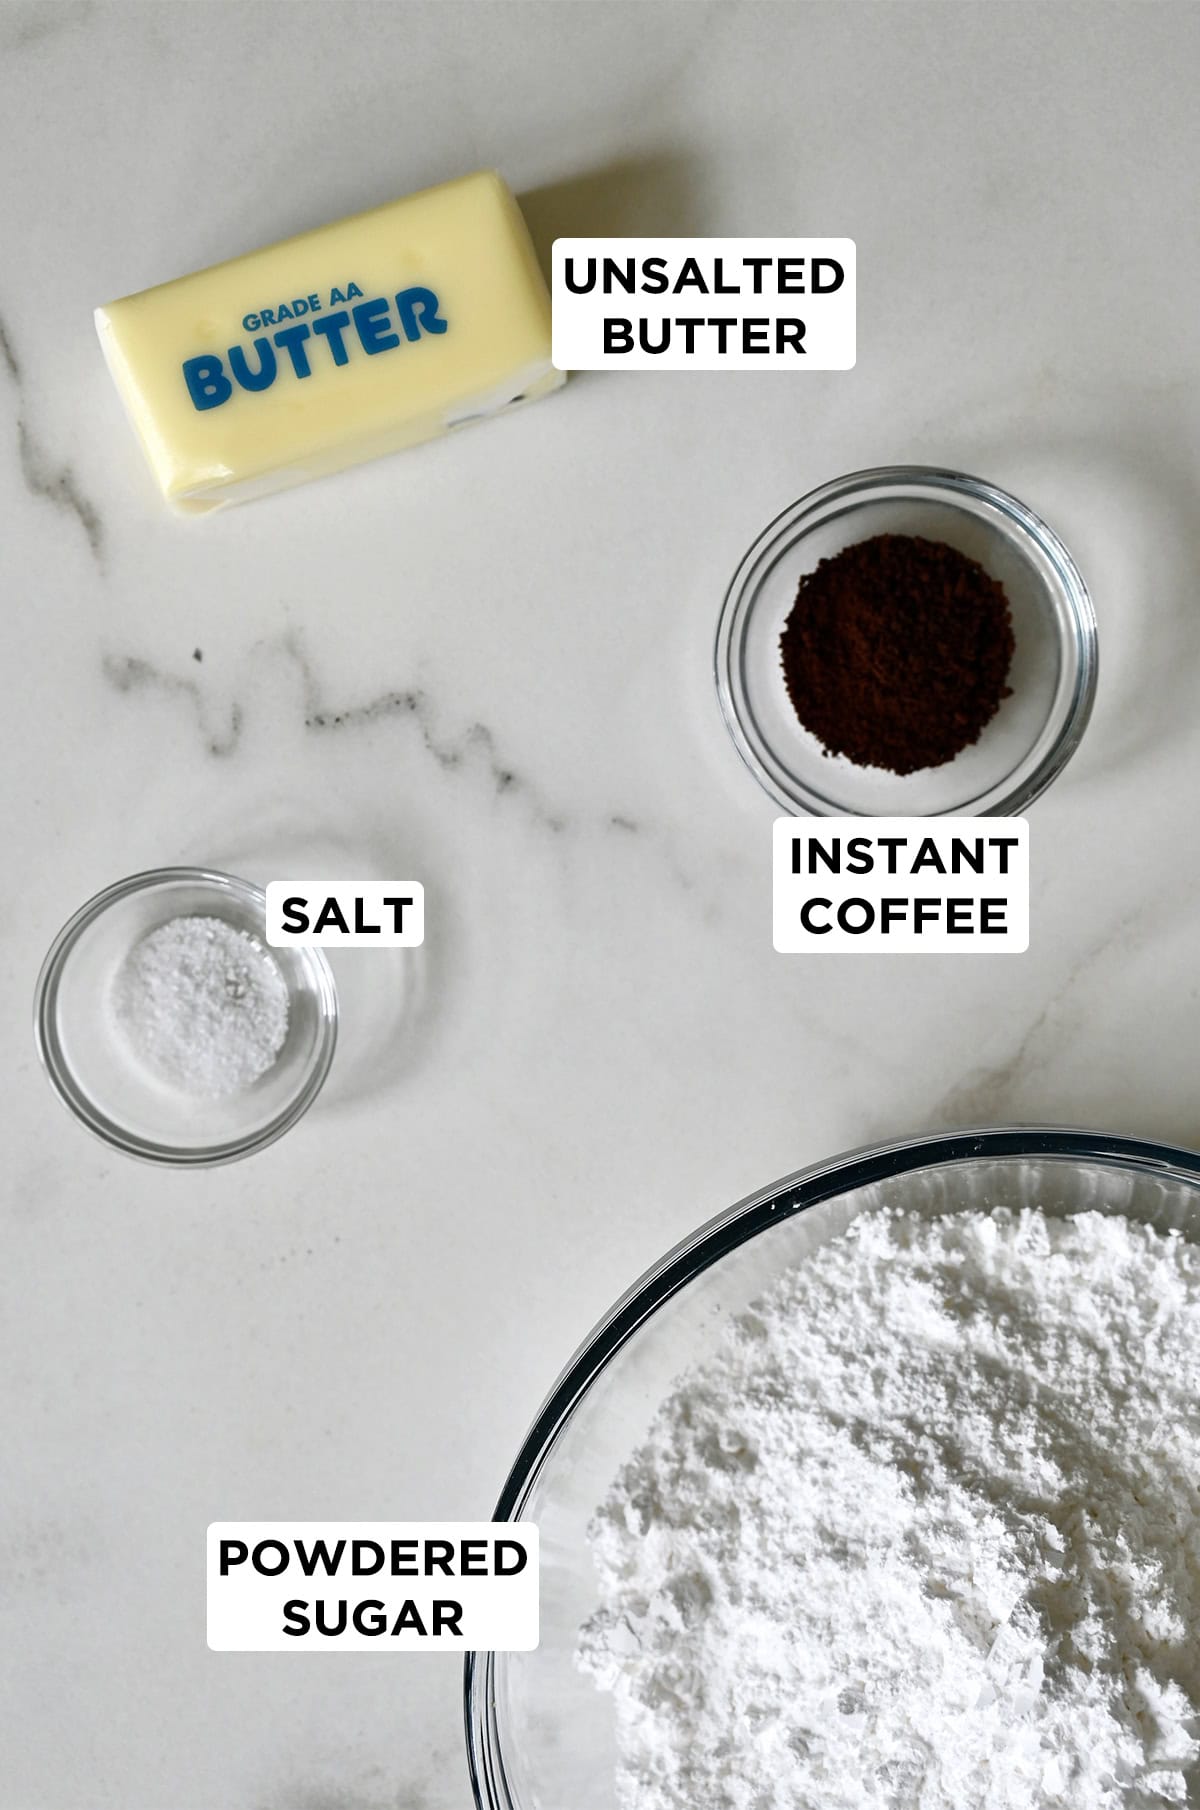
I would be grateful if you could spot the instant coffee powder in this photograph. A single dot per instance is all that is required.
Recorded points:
(896, 652)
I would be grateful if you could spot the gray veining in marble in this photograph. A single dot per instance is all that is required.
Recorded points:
(42, 475)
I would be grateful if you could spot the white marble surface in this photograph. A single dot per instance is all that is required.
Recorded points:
(486, 665)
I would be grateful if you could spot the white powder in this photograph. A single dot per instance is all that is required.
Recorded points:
(203, 1005)
(922, 1533)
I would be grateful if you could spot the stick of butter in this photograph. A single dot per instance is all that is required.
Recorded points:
(335, 346)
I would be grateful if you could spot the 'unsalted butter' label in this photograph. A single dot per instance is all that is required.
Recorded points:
(704, 304)
(335, 346)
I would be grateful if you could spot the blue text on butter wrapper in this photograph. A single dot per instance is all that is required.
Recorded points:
(300, 304)
(369, 325)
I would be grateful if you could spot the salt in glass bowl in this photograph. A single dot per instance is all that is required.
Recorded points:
(102, 1081)
(539, 1733)
(1052, 678)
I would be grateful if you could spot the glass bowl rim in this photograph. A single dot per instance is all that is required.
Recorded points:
(688, 1259)
(61, 1077)
(953, 485)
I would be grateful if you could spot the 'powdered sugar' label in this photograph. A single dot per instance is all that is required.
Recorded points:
(372, 1586)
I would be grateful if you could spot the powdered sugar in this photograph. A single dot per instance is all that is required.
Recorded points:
(203, 1005)
(922, 1533)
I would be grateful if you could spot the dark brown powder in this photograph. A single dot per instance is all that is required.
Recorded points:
(896, 652)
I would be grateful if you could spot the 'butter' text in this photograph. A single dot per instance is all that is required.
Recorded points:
(368, 327)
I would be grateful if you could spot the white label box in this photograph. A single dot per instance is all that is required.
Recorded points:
(901, 885)
(704, 304)
(372, 1586)
(346, 914)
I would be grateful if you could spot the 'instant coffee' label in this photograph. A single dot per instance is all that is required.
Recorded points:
(901, 885)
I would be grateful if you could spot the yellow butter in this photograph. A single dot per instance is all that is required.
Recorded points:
(336, 346)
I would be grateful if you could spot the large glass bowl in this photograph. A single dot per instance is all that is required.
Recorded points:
(1052, 680)
(539, 1735)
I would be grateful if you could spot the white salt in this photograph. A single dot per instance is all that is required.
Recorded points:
(922, 1534)
(203, 1005)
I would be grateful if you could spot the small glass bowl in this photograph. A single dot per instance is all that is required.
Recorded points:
(1053, 675)
(103, 1084)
